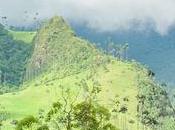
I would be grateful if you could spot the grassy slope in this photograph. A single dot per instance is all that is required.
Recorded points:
(58, 49)
(121, 80)
(60, 58)
(25, 36)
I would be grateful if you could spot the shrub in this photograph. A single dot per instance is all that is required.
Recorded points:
(43, 127)
(27, 122)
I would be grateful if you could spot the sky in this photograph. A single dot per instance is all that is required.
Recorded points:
(102, 15)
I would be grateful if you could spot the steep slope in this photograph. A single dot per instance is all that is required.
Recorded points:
(13, 57)
(147, 47)
(60, 59)
(117, 78)
(58, 49)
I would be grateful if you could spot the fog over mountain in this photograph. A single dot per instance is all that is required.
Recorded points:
(87, 65)
(103, 15)
(147, 25)
(148, 47)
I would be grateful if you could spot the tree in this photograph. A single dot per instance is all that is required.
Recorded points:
(26, 123)
(3, 113)
(61, 113)
(1, 124)
(91, 116)
(118, 50)
(88, 114)
(43, 127)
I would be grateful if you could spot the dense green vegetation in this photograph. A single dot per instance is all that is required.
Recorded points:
(70, 85)
(14, 52)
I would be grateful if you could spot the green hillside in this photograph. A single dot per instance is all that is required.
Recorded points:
(14, 53)
(61, 61)
(25, 36)
(57, 49)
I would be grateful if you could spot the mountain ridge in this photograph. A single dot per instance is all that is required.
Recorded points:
(66, 62)
(52, 41)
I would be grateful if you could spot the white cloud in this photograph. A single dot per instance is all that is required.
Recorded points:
(104, 15)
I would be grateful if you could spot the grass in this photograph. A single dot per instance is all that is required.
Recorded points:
(24, 36)
(120, 79)
(60, 58)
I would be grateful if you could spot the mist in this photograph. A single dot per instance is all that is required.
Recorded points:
(101, 15)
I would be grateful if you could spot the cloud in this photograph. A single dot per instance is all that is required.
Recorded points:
(103, 15)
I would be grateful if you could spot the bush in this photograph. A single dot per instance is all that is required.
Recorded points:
(27, 122)
(43, 127)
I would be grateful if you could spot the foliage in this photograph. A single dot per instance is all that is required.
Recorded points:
(58, 49)
(168, 124)
(117, 50)
(59, 57)
(13, 58)
(43, 127)
(86, 115)
(3, 113)
(27, 122)
(154, 105)
(92, 117)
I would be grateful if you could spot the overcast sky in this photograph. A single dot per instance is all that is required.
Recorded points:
(104, 15)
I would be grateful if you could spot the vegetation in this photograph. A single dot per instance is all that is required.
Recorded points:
(68, 84)
(14, 53)
(150, 112)
(85, 115)
(26, 123)
(49, 55)
(25, 36)
(117, 50)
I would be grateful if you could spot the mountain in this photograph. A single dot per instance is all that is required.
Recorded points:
(60, 60)
(51, 43)
(147, 47)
